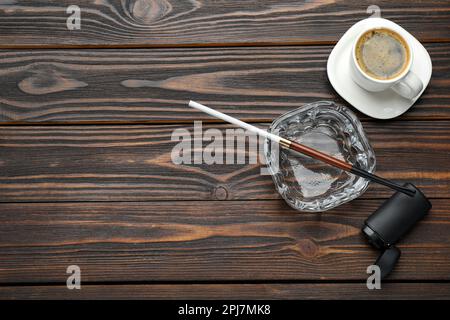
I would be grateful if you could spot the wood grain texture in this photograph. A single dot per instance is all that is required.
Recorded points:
(210, 241)
(108, 198)
(171, 22)
(133, 163)
(254, 84)
(285, 291)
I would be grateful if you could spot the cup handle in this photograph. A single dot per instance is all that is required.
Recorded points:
(409, 87)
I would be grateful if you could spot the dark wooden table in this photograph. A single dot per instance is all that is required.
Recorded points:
(86, 177)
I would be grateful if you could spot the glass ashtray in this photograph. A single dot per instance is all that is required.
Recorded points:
(308, 184)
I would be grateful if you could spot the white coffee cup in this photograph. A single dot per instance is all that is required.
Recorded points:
(406, 84)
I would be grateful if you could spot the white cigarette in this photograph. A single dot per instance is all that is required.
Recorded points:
(234, 121)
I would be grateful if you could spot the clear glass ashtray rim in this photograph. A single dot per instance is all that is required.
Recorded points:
(362, 138)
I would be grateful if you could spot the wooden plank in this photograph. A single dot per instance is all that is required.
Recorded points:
(133, 163)
(255, 84)
(208, 241)
(170, 22)
(285, 291)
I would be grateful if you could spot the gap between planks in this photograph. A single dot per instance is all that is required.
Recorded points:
(186, 45)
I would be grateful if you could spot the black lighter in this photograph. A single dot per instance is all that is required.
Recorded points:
(389, 223)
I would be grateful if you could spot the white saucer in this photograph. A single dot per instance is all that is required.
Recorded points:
(380, 105)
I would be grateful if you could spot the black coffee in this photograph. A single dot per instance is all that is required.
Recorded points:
(382, 54)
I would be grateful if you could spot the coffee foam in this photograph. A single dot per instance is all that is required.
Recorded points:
(382, 54)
